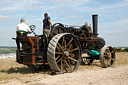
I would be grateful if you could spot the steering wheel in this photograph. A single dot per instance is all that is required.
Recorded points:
(32, 28)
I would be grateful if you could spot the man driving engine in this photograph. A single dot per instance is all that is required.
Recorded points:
(22, 30)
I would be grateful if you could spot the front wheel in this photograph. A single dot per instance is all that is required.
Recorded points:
(107, 56)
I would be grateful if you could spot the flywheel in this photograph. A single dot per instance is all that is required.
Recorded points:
(64, 53)
(58, 28)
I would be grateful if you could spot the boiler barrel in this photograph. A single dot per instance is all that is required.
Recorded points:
(95, 24)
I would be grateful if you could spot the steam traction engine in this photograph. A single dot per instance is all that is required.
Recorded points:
(63, 51)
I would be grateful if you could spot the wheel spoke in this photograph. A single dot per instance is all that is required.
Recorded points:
(68, 65)
(105, 61)
(108, 51)
(69, 43)
(108, 62)
(55, 32)
(61, 65)
(73, 49)
(72, 59)
(112, 59)
(59, 60)
(70, 46)
(105, 55)
(58, 53)
(57, 57)
(71, 54)
(111, 53)
(69, 62)
(64, 63)
(60, 46)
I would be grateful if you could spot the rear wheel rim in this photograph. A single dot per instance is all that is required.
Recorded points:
(67, 54)
(68, 59)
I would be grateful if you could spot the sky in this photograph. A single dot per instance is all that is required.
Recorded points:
(112, 17)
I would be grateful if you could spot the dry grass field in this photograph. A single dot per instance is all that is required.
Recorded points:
(10, 70)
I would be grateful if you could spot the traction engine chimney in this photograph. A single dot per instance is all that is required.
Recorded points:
(95, 24)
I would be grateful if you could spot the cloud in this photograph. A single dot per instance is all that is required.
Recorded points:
(63, 0)
(112, 14)
(73, 16)
(3, 16)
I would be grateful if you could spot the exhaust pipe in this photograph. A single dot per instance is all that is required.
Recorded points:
(95, 24)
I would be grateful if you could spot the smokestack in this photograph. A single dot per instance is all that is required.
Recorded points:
(95, 24)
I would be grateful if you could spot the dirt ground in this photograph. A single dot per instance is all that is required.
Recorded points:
(12, 73)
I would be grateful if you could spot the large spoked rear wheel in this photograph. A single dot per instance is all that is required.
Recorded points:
(107, 56)
(64, 53)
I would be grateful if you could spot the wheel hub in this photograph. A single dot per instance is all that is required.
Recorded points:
(65, 53)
